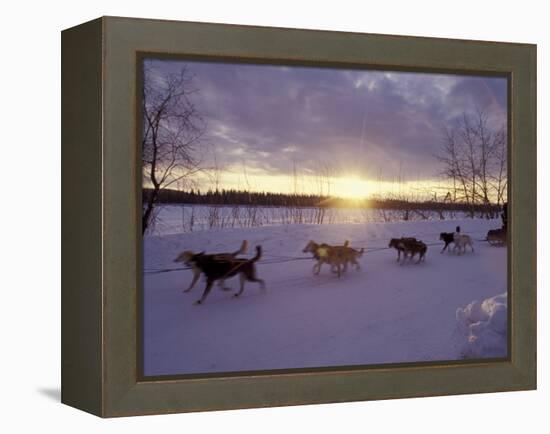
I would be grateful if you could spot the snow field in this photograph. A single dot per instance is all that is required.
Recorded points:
(385, 313)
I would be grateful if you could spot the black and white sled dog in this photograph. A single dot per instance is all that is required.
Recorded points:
(185, 257)
(216, 269)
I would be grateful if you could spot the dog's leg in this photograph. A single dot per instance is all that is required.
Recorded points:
(242, 279)
(209, 284)
(316, 268)
(319, 265)
(196, 275)
(260, 281)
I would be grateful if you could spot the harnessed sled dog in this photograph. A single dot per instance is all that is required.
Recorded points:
(338, 257)
(215, 269)
(185, 257)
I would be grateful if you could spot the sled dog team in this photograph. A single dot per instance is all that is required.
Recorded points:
(218, 267)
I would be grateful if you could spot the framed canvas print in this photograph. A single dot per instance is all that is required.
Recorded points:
(261, 217)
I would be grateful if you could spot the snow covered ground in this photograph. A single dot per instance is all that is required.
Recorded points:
(385, 313)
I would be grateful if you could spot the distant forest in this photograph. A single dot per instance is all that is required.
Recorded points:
(247, 198)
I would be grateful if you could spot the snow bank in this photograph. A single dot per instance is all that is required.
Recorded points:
(485, 326)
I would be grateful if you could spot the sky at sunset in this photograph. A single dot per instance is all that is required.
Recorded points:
(286, 128)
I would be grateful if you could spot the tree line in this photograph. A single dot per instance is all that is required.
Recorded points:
(231, 197)
(234, 197)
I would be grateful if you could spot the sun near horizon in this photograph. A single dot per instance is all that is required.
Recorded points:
(349, 186)
(352, 187)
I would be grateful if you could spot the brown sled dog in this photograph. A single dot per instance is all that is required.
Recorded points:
(409, 246)
(338, 257)
(215, 269)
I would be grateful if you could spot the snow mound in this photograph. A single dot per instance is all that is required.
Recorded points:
(485, 327)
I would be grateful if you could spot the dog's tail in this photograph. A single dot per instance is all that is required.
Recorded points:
(258, 254)
(242, 250)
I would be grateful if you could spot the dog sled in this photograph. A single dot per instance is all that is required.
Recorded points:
(497, 237)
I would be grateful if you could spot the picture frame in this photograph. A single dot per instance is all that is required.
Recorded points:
(101, 232)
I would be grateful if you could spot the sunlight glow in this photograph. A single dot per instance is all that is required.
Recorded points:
(351, 187)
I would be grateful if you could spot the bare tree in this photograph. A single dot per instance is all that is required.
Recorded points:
(474, 160)
(172, 130)
(324, 183)
(498, 177)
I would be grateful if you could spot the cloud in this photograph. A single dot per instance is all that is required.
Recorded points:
(368, 123)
